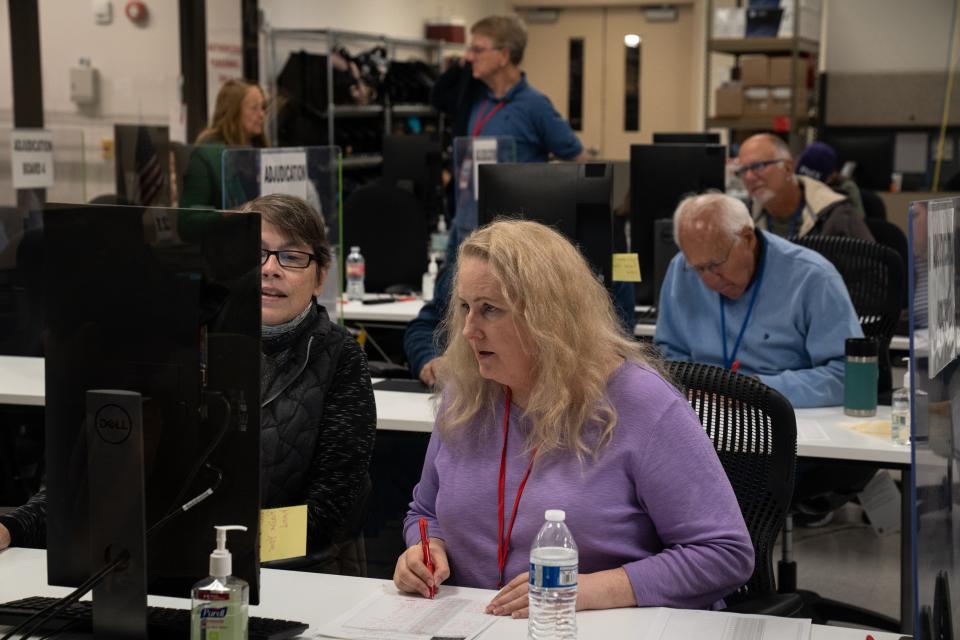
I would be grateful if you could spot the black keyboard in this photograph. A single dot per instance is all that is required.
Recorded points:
(162, 622)
(647, 316)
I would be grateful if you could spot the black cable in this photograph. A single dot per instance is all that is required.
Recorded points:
(214, 443)
(190, 504)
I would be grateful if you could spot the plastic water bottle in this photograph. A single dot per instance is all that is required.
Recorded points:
(356, 269)
(429, 280)
(553, 581)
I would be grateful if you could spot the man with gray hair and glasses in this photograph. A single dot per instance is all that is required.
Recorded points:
(742, 298)
(787, 204)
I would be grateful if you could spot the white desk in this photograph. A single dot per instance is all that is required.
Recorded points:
(317, 598)
(21, 381)
(397, 312)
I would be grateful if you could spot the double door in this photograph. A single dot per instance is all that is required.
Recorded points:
(658, 79)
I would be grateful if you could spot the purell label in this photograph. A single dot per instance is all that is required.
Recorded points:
(213, 612)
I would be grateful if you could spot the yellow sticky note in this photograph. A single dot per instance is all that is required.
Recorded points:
(283, 533)
(626, 267)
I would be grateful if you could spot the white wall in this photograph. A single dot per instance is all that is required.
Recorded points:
(6, 79)
(396, 18)
(879, 36)
(224, 46)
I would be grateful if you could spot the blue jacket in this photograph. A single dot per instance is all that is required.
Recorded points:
(795, 339)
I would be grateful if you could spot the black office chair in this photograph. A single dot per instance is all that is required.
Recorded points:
(754, 431)
(890, 235)
(875, 278)
(390, 227)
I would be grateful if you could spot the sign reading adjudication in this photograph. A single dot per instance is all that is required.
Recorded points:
(941, 272)
(31, 158)
(283, 171)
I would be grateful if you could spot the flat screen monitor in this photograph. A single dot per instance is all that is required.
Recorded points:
(872, 152)
(142, 164)
(570, 197)
(699, 137)
(660, 176)
(165, 306)
(664, 248)
(413, 163)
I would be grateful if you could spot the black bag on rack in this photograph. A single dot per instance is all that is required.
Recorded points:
(410, 82)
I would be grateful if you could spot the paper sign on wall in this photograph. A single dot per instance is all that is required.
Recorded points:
(31, 158)
(283, 171)
(283, 533)
(484, 152)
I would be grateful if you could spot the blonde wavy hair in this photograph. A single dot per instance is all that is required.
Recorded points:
(577, 340)
(225, 125)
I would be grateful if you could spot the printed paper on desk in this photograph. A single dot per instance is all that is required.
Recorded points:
(626, 267)
(673, 624)
(283, 533)
(388, 614)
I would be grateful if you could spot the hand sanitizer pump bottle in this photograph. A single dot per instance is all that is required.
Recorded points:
(220, 602)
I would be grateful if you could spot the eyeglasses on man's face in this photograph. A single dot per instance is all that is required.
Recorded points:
(477, 50)
(714, 265)
(288, 259)
(755, 167)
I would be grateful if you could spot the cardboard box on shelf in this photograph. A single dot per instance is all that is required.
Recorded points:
(780, 68)
(755, 70)
(780, 98)
(756, 101)
(807, 25)
(728, 102)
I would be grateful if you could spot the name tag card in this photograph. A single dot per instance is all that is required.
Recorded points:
(283, 171)
(31, 158)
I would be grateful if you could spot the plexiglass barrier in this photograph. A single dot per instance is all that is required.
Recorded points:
(935, 421)
(311, 173)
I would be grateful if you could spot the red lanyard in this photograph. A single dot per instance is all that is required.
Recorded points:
(503, 543)
(483, 119)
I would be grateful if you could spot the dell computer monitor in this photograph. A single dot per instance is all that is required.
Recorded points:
(160, 310)
(660, 176)
(570, 197)
(413, 163)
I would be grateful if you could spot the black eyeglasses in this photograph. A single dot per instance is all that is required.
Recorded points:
(288, 259)
(755, 167)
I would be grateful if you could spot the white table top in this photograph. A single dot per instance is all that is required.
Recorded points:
(821, 433)
(316, 598)
(400, 312)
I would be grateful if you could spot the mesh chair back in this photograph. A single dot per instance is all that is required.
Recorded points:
(875, 278)
(754, 430)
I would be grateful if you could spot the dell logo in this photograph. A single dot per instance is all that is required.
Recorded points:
(112, 424)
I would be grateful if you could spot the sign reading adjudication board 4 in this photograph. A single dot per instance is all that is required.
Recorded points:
(941, 271)
(31, 158)
(283, 171)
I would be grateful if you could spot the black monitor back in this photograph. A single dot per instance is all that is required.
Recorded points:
(413, 163)
(177, 321)
(664, 248)
(660, 176)
(572, 198)
(687, 137)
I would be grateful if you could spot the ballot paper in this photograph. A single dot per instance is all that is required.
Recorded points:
(389, 614)
(673, 624)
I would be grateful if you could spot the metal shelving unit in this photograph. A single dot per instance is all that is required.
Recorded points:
(796, 47)
(325, 42)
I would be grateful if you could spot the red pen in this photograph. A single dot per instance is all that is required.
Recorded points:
(425, 546)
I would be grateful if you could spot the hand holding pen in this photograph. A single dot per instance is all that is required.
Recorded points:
(413, 573)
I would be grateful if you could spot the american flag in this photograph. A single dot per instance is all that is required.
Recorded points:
(149, 174)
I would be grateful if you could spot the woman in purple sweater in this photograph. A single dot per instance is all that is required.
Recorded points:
(546, 404)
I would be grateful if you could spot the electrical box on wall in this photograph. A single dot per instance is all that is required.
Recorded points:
(102, 11)
(83, 84)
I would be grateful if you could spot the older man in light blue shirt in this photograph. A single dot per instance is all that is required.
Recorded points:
(742, 298)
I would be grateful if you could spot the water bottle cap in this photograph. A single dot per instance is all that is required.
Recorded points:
(354, 249)
(556, 515)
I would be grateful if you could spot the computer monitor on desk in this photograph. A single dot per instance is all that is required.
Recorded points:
(573, 198)
(152, 341)
(660, 176)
